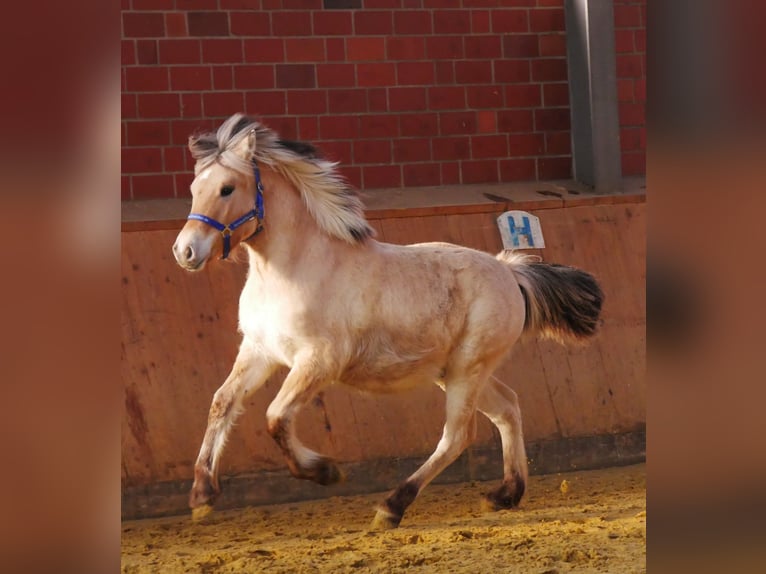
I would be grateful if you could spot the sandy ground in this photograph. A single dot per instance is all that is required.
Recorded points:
(597, 525)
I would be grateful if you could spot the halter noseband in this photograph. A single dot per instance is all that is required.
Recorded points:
(256, 213)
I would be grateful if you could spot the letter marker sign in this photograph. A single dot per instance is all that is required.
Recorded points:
(520, 230)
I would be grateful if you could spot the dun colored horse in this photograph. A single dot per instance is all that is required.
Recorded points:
(333, 305)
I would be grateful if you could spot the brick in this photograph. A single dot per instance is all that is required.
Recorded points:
(627, 16)
(143, 25)
(308, 128)
(555, 95)
(484, 96)
(511, 71)
(352, 174)
(174, 159)
(549, 70)
(153, 186)
(405, 48)
(479, 171)
(196, 4)
(378, 126)
(446, 98)
(414, 73)
(509, 21)
(181, 129)
(486, 122)
(375, 22)
(517, 170)
(147, 52)
(183, 183)
(630, 139)
(412, 22)
(218, 51)
(361, 49)
(372, 151)
(629, 66)
(338, 127)
(374, 4)
(452, 22)
(377, 100)
(239, 4)
(336, 49)
(552, 119)
(191, 105)
(546, 20)
(306, 102)
(146, 79)
(148, 133)
(625, 91)
(377, 74)
(252, 23)
(223, 78)
(377, 176)
(515, 121)
(640, 40)
(558, 143)
(302, 4)
(222, 104)
(208, 23)
(179, 52)
(291, 23)
(128, 52)
(335, 23)
(486, 146)
(554, 168)
(522, 95)
(347, 101)
(553, 45)
(445, 72)
(141, 159)
(285, 126)
(640, 89)
(255, 77)
(341, 4)
(305, 49)
(520, 46)
(520, 145)
(412, 149)
(175, 25)
(483, 47)
(457, 123)
(190, 78)
(450, 173)
(336, 150)
(419, 124)
(161, 5)
(335, 75)
(125, 188)
(421, 174)
(406, 99)
(633, 163)
(631, 114)
(158, 105)
(473, 72)
(623, 41)
(444, 47)
(480, 21)
(265, 103)
(264, 50)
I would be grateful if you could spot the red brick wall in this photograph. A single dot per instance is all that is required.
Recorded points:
(402, 92)
(630, 45)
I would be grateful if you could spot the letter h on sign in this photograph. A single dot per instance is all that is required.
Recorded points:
(520, 230)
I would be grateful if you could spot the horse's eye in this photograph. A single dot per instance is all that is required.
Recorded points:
(227, 190)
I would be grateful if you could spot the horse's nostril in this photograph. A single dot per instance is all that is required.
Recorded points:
(189, 253)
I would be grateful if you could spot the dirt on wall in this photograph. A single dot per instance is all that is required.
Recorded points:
(591, 521)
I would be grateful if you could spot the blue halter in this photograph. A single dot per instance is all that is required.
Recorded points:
(256, 213)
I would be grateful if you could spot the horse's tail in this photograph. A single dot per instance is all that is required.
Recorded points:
(562, 303)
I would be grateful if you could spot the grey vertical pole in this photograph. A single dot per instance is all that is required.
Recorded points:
(593, 94)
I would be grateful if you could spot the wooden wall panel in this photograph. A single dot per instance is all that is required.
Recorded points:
(180, 339)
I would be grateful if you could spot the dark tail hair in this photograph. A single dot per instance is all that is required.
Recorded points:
(562, 303)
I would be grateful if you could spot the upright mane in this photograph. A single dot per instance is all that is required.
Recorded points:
(331, 201)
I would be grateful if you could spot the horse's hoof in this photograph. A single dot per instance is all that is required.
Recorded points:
(327, 472)
(505, 497)
(384, 520)
(201, 512)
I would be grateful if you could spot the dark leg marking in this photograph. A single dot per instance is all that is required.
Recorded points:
(395, 505)
(203, 491)
(509, 494)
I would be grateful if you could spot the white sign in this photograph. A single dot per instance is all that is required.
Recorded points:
(520, 230)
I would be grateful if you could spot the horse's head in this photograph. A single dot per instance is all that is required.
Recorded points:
(227, 203)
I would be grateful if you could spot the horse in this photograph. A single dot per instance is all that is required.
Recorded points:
(333, 305)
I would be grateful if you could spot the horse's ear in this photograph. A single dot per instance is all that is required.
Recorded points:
(251, 142)
(246, 147)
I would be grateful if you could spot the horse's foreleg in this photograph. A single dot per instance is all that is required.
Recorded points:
(303, 382)
(249, 372)
(459, 431)
(501, 405)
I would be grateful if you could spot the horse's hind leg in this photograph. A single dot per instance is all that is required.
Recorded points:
(249, 372)
(301, 384)
(501, 405)
(459, 431)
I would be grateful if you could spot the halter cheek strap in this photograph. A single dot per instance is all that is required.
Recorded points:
(256, 213)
